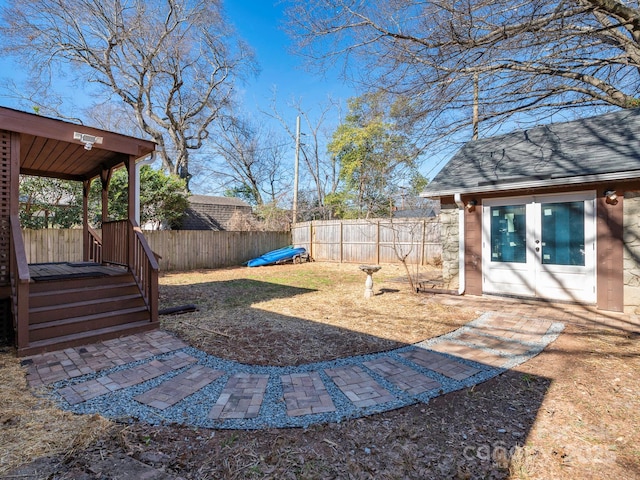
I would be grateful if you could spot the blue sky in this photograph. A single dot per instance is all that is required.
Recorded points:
(259, 22)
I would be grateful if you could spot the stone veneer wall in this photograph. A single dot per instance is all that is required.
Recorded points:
(631, 256)
(449, 232)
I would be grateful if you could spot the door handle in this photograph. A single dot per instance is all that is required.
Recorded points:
(537, 249)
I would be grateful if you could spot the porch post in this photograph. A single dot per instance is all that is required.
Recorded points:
(21, 314)
(131, 206)
(131, 189)
(86, 186)
(105, 178)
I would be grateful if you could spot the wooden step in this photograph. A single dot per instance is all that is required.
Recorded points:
(87, 323)
(74, 283)
(50, 313)
(53, 297)
(85, 338)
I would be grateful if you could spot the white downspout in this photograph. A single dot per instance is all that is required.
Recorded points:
(461, 276)
(147, 161)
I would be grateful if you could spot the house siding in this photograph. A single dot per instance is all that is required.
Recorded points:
(609, 247)
(473, 251)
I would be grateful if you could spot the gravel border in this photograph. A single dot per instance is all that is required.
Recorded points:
(193, 410)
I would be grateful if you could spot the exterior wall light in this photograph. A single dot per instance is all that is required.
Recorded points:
(471, 205)
(87, 139)
(611, 197)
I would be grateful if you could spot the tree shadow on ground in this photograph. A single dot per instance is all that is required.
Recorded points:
(235, 321)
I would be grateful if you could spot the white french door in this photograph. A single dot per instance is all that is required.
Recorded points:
(540, 246)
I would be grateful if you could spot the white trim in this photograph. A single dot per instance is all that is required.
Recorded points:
(550, 182)
(461, 265)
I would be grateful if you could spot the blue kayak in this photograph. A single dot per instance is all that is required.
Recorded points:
(279, 256)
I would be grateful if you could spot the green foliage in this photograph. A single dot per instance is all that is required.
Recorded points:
(49, 203)
(243, 192)
(418, 183)
(163, 198)
(339, 203)
(55, 203)
(374, 155)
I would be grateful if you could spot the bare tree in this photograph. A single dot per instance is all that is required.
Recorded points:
(526, 58)
(320, 168)
(251, 161)
(172, 62)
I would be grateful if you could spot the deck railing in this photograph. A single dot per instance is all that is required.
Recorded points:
(145, 270)
(115, 242)
(124, 244)
(19, 284)
(94, 246)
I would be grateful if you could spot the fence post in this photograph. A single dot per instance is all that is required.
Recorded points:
(378, 242)
(424, 233)
(340, 242)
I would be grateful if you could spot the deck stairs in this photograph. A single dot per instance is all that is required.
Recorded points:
(72, 312)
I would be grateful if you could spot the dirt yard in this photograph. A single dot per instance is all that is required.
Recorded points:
(571, 412)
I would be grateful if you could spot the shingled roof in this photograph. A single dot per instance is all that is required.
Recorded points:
(595, 149)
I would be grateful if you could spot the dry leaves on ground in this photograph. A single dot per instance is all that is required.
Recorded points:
(296, 314)
(571, 412)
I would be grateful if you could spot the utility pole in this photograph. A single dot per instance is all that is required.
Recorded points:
(476, 94)
(295, 172)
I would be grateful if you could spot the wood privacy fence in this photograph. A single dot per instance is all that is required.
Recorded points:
(179, 249)
(370, 241)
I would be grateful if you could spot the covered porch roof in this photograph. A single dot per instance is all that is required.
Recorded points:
(59, 149)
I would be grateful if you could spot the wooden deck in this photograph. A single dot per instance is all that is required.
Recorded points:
(73, 303)
(67, 270)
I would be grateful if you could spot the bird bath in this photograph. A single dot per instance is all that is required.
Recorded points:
(368, 285)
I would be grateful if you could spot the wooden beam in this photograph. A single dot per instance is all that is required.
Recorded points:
(37, 173)
(22, 122)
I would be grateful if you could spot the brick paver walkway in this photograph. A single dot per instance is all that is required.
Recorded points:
(359, 387)
(241, 398)
(179, 387)
(402, 376)
(74, 362)
(81, 392)
(305, 394)
(166, 377)
(441, 364)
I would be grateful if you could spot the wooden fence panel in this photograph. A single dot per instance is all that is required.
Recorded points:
(360, 241)
(370, 241)
(201, 249)
(53, 245)
(179, 249)
(348, 241)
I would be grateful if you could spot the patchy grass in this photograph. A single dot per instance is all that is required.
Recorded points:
(570, 413)
(295, 314)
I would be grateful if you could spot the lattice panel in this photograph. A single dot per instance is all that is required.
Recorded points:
(5, 203)
(6, 325)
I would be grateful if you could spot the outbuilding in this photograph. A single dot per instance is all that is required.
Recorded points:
(551, 212)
